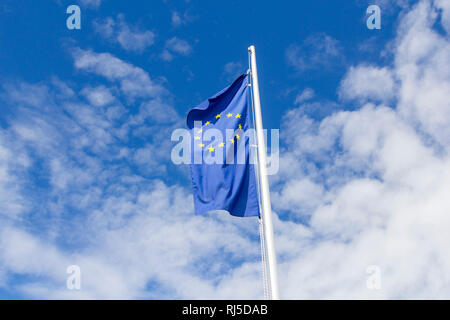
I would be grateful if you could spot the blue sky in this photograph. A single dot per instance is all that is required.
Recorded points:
(85, 171)
(218, 33)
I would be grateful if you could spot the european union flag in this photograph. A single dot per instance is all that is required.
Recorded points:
(223, 177)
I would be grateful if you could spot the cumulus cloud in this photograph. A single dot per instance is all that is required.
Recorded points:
(357, 188)
(99, 202)
(444, 7)
(374, 180)
(368, 83)
(130, 38)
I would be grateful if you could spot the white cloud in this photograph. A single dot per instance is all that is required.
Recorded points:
(444, 6)
(316, 51)
(300, 197)
(12, 163)
(90, 197)
(36, 97)
(128, 37)
(390, 5)
(374, 180)
(178, 19)
(178, 46)
(157, 239)
(361, 187)
(233, 69)
(305, 95)
(105, 28)
(368, 83)
(419, 60)
(134, 81)
(98, 96)
(95, 4)
(175, 46)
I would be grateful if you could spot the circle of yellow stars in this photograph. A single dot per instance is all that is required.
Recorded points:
(222, 144)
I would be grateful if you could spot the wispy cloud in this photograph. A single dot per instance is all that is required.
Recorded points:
(134, 81)
(176, 19)
(94, 4)
(315, 52)
(82, 182)
(130, 38)
(100, 165)
(180, 19)
(98, 96)
(233, 69)
(305, 95)
(175, 46)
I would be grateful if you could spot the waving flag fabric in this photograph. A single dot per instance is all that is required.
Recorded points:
(222, 176)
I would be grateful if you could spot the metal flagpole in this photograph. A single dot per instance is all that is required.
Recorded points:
(264, 182)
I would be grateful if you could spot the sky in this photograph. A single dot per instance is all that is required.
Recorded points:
(86, 177)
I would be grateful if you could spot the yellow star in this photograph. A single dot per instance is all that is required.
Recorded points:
(238, 116)
(200, 131)
(218, 116)
(207, 122)
(229, 115)
(211, 149)
(201, 145)
(237, 136)
(240, 127)
(197, 138)
(232, 140)
(221, 144)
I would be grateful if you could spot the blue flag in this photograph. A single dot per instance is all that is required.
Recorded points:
(222, 176)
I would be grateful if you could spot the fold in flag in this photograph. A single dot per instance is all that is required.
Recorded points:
(224, 178)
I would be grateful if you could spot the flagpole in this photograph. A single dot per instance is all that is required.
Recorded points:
(264, 182)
